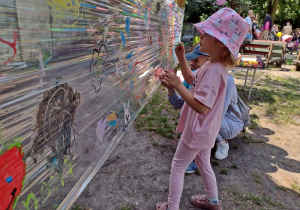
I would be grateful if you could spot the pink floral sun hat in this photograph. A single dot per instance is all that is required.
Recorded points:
(227, 26)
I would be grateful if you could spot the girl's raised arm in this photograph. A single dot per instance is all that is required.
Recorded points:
(185, 69)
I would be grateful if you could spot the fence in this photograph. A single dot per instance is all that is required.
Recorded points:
(73, 76)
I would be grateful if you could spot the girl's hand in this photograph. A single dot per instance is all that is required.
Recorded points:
(180, 51)
(161, 78)
(170, 79)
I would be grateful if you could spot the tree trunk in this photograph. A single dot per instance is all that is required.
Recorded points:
(269, 8)
(273, 10)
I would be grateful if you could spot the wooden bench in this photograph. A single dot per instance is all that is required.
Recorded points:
(297, 62)
(273, 50)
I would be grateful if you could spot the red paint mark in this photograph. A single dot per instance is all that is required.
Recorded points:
(12, 45)
(139, 62)
(11, 165)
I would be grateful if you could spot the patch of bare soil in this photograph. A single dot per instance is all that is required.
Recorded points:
(262, 171)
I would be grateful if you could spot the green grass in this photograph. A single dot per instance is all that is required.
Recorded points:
(77, 207)
(254, 120)
(279, 96)
(250, 140)
(260, 200)
(159, 116)
(158, 144)
(234, 166)
(224, 171)
(127, 207)
(257, 178)
(281, 188)
(289, 61)
(215, 163)
(271, 202)
(296, 187)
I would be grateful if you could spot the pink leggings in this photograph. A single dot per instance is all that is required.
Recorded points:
(182, 158)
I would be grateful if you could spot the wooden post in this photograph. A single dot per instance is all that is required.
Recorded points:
(269, 54)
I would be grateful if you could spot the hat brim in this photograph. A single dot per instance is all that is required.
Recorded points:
(192, 55)
(207, 27)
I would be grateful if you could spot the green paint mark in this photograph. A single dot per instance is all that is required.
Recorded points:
(56, 29)
(117, 30)
(62, 180)
(32, 197)
(132, 15)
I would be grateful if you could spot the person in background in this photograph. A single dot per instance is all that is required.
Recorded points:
(266, 28)
(254, 27)
(287, 29)
(249, 22)
(197, 59)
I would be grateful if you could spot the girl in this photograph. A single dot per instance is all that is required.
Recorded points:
(266, 28)
(199, 123)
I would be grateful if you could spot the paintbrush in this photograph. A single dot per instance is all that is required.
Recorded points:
(175, 45)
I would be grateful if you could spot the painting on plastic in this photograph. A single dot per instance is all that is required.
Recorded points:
(74, 74)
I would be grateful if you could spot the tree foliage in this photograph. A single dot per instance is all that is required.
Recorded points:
(287, 10)
(199, 10)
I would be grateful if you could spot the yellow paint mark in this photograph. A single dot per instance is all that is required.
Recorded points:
(62, 7)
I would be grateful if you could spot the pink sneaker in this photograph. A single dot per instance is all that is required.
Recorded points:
(202, 202)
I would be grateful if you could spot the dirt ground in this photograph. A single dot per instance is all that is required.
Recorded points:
(262, 170)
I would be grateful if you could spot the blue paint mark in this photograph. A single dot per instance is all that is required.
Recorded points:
(130, 55)
(131, 82)
(112, 123)
(122, 38)
(76, 29)
(127, 26)
(164, 15)
(9, 179)
(129, 67)
(125, 10)
(55, 161)
(145, 16)
(132, 1)
(88, 5)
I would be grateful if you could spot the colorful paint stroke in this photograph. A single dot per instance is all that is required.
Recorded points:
(100, 130)
(12, 176)
(127, 26)
(126, 114)
(55, 123)
(12, 45)
(112, 119)
(62, 8)
(122, 38)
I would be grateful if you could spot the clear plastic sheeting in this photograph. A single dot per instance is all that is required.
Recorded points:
(73, 76)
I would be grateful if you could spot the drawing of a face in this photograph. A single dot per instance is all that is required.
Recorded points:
(236, 36)
(217, 22)
(12, 174)
(232, 24)
(97, 66)
(54, 124)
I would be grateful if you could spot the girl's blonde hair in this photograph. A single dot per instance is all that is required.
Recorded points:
(228, 60)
